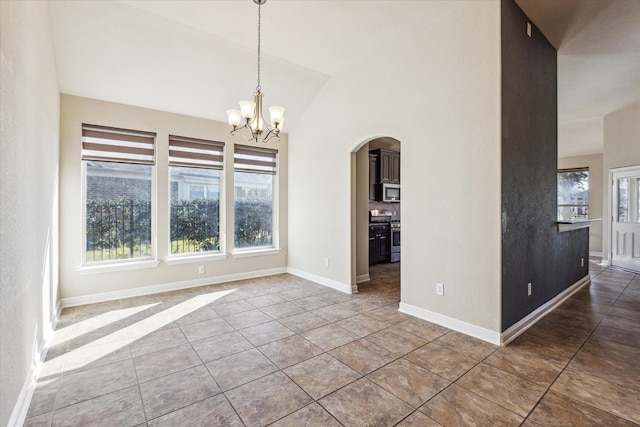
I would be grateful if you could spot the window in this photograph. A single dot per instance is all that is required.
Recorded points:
(118, 180)
(573, 194)
(628, 195)
(195, 172)
(202, 191)
(254, 200)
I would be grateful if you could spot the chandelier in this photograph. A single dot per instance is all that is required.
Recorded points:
(250, 113)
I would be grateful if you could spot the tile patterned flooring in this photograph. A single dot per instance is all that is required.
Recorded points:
(284, 351)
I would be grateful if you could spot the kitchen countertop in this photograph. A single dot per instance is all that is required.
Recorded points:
(575, 224)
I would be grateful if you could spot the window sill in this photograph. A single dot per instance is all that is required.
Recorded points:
(195, 258)
(125, 266)
(255, 252)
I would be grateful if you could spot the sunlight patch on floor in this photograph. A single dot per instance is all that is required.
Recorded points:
(108, 344)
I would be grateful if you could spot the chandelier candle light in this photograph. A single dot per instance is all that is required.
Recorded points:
(251, 111)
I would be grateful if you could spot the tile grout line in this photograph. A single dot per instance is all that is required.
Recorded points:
(566, 366)
(327, 352)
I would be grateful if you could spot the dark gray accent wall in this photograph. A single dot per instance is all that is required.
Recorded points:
(532, 249)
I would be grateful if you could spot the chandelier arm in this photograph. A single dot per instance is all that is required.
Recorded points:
(273, 133)
(253, 134)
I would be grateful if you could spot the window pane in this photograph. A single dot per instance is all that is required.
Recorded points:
(118, 211)
(253, 210)
(195, 209)
(623, 200)
(573, 195)
(196, 192)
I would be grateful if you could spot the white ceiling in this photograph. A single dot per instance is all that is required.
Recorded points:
(199, 57)
(598, 44)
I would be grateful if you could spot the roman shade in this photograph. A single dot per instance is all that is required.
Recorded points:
(195, 153)
(107, 144)
(254, 159)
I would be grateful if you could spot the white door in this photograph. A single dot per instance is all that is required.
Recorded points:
(625, 221)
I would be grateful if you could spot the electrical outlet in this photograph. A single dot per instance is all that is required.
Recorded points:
(326, 262)
(581, 262)
(529, 289)
(201, 269)
(439, 288)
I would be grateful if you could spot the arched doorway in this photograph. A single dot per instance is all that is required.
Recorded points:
(379, 271)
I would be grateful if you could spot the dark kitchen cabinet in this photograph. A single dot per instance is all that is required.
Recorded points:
(395, 168)
(379, 243)
(388, 166)
(373, 170)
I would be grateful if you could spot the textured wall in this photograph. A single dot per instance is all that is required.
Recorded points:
(532, 249)
(438, 93)
(29, 117)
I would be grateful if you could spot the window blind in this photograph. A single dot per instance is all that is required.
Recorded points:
(107, 144)
(195, 153)
(254, 159)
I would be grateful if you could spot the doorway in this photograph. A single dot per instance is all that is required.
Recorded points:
(625, 218)
(379, 274)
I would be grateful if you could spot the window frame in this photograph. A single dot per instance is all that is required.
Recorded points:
(274, 248)
(90, 267)
(560, 217)
(198, 256)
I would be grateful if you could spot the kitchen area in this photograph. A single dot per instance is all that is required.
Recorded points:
(384, 206)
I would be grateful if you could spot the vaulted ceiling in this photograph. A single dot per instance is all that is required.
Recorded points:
(199, 57)
(598, 43)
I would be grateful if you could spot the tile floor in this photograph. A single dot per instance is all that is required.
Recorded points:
(284, 351)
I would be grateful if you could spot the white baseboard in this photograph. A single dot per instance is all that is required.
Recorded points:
(19, 414)
(481, 333)
(363, 278)
(175, 286)
(595, 254)
(342, 287)
(167, 287)
(491, 336)
(512, 332)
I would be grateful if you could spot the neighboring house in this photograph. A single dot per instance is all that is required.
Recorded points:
(107, 182)
(186, 184)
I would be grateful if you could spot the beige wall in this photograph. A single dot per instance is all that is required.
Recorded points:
(443, 103)
(76, 285)
(362, 212)
(621, 149)
(29, 117)
(585, 137)
(594, 163)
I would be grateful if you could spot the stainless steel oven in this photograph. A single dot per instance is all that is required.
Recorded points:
(395, 241)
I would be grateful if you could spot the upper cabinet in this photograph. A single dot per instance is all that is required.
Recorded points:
(373, 172)
(388, 166)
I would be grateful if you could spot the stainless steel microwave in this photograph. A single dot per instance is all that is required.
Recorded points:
(391, 193)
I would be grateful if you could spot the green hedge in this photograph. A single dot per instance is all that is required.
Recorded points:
(122, 227)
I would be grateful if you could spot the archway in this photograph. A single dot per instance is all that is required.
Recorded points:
(362, 201)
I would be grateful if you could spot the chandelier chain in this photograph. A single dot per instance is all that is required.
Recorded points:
(259, 20)
(249, 116)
